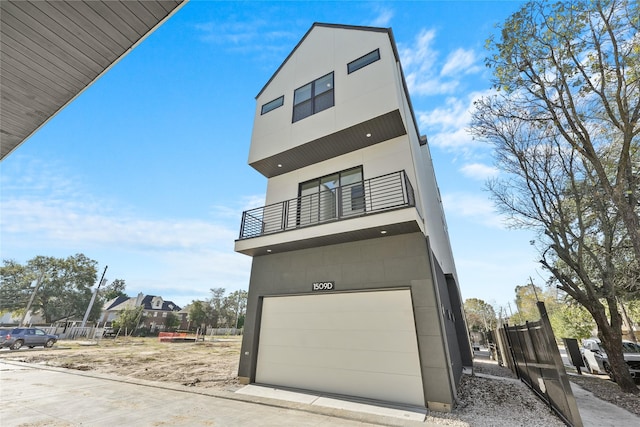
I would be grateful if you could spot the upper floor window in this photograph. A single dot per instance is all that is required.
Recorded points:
(313, 97)
(363, 61)
(272, 105)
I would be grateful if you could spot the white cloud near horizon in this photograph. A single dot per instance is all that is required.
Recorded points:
(71, 221)
(48, 212)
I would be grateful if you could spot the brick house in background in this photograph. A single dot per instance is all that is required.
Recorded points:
(154, 310)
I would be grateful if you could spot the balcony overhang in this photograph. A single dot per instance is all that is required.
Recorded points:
(379, 129)
(400, 221)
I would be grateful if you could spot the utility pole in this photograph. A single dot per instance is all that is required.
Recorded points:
(33, 296)
(534, 289)
(93, 297)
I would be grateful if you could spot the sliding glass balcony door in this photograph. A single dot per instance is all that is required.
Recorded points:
(332, 196)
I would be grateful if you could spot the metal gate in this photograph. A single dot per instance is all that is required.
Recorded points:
(531, 352)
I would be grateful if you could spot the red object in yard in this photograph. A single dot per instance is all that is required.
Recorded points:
(171, 336)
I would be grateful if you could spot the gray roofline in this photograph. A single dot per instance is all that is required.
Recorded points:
(389, 32)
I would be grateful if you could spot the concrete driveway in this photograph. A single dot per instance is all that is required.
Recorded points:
(35, 395)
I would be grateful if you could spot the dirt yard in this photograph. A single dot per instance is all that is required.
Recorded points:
(212, 363)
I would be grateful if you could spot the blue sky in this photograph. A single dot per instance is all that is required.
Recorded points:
(146, 171)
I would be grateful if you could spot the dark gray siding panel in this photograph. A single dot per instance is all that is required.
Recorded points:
(401, 261)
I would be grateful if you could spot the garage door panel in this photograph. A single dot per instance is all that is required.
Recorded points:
(362, 344)
(332, 338)
(359, 320)
(398, 388)
(343, 359)
(338, 302)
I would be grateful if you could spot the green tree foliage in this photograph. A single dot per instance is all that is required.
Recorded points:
(113, 290)
(574, 69)
(200, 313)
(527, 297)
(570, 320)
(235, 306)
(15, 286)
(128, 319)
(171, 322)
(64, 285)
(481, 317)
(219, 311)
(564, 125)
(65, 290)
(217, 305)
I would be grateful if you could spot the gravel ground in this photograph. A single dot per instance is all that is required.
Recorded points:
(483, 391)
(496, 402)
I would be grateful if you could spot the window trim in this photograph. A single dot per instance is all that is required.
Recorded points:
(313, 97)
(277, 103)
(352, 67)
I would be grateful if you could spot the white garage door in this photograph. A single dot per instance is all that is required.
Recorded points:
(357, 344)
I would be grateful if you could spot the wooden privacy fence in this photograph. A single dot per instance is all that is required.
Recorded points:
(530, 351)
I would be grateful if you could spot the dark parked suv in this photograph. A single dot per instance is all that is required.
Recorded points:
(31, 337)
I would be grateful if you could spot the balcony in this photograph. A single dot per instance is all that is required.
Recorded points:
(372, 196)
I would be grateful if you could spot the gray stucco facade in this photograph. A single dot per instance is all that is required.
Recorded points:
(394, 262)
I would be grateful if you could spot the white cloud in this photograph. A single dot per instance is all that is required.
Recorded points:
(460, 61)
(74, 222)
(247, 37)
(235, 212)
(474, 207)
(383, 16)
(420, 61)
(420, 55)
(479, 171)
(447, 126)
(453, 115)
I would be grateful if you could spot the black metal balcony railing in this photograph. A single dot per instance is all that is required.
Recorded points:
(375, 195)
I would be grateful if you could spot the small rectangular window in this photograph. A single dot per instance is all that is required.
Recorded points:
(363, 61)
(272, 105)
(313, 97)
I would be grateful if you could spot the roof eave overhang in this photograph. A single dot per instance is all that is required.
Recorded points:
(24, 111)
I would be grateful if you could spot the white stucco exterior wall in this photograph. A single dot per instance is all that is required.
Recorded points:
(369, 92)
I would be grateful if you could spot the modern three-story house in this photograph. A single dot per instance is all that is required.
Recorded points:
(353, 287)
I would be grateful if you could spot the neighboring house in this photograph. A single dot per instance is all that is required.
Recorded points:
(14, 318)
(353, 286)
(154, 311)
